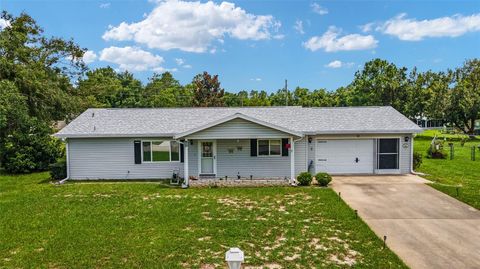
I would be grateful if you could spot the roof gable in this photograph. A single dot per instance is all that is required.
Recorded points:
(240, 129)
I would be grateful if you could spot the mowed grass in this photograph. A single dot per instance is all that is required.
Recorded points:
(429, 134)
(150, 225)
(448, 174)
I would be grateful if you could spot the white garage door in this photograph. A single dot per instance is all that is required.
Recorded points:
(344, 156)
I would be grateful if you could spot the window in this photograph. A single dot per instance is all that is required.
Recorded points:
(270, 147)
(388, 153)
(160, 151)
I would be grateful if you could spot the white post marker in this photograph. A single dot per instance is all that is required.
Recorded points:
(234, 258)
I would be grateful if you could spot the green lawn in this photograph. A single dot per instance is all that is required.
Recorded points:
(87, 225)
(448, 174)
(429, 134)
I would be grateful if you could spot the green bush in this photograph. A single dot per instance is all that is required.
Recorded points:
(436, 151)
(58, 170)
(30, 149)
(417, 160)
(323, 179)
(304, 179)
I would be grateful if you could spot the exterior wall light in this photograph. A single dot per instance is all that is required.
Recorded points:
(406, 138)
(309, 139)
(234, 258)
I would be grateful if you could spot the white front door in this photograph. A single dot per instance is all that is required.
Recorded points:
(344, 156)
(207, 157)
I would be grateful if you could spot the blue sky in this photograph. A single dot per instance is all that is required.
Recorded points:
(258, 44)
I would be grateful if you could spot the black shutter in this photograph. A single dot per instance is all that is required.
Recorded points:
(284, 146)
(182, 150)
(253, 147)
(137, 151)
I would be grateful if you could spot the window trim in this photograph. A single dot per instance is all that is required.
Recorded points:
(169, 151)
(269, 148)
(388, 153)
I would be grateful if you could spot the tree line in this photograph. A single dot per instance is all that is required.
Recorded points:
(44, 80)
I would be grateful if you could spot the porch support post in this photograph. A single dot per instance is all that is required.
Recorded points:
(185, 164)
(292, 159)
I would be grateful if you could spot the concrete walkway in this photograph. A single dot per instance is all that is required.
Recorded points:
(424, 227)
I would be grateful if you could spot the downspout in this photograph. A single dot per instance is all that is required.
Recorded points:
(411, 157)
(67, 163)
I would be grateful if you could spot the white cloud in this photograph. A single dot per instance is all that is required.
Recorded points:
(104, 5)
(4, 23)
(194, 26)
(415, 30)
(331, 41)
(132, 59)
(299, 27)
(319, 9)
(339, 64)
(256, 79)
(89, 56)
(367, 27)
(179, 61)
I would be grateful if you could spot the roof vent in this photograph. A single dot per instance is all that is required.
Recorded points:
(93, 114)
(94, 127)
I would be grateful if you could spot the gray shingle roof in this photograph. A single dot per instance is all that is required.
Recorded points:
(110, 122)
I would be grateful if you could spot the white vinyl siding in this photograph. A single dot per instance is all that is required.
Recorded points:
(238, 129)
(301, 156)
(113, 158)
(241, 163)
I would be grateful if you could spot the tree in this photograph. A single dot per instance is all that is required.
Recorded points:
(380, 83)
(30, 148)
(41, 68)
(428, 94)
(164, 90)
(207, 91)
(465, 102)
(35, 90)
(100, 88)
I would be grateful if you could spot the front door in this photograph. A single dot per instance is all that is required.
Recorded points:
(207, 157)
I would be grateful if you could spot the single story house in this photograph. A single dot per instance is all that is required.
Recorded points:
(247, 142)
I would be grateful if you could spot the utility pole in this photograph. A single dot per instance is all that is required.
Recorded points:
(286, 93)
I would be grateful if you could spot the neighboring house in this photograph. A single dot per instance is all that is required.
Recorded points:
(427, 123)
(250, 142)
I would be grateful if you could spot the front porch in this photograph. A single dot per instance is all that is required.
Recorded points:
(239, 161)
(239, 147)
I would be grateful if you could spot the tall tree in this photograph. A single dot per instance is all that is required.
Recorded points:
(207, 91)
(163, 90)
(428, 94)
(35, 87)
(40, 67)
(380, 83)
(465, 102)
(100, 88)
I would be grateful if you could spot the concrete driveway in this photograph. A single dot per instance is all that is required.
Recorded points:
(424, 227)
